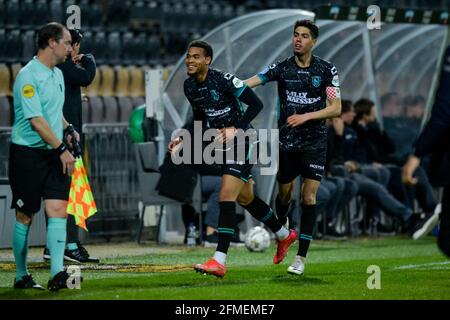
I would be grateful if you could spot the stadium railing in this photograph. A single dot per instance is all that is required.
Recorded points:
(112, 172)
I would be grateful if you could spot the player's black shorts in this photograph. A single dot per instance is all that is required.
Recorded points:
(308, 164)
(240, 171)
(35, 174)
(242, 163)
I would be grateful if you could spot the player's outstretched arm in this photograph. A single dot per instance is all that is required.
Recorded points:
(253, 81)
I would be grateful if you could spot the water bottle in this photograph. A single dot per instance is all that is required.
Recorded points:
(192, 235)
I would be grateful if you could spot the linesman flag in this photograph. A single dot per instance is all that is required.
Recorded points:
(81, 200)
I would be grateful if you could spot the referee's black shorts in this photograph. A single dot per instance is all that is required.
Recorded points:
(308, 164)
(35, 174)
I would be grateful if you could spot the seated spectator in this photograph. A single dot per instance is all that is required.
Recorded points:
(391, 106)
(376, 194)
(406, 128)
(378, 148)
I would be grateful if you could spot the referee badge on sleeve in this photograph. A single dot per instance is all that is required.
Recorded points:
(28, 91)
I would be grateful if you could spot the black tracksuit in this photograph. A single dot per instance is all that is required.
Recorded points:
(75, 77)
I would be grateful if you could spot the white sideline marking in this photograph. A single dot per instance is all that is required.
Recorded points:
(414, 266)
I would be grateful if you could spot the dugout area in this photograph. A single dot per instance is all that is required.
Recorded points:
(402, 57)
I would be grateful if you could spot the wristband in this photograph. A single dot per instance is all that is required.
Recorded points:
(61, 149)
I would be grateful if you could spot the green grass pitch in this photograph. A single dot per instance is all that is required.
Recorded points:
(335, 270)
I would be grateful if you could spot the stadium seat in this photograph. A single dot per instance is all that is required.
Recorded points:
(148, 166)
(15, 68)
(27, 14)
(42, 13)
(118, 15)
(227, 13)
(13, 47)
(122, 81)
(5, 80)
(99, 47)
(154, 12)
(176, 42)
(56, 10)
(96, 106)
(12, 10)
(68, 3)
(95, 16)
(134, 48)
(145, 14)
(111, 110)
(193, 20)
(5, 112)
(137, 85)
(85, 111)
(137, 101)
(94, 88)
(148, 176)
(205, 18)
(29, 48)
(139, 48)
(114, 47)
(174, 16)
(153, 48)
(2, 44)
(125, 109)
(127, 39)
(87, 42)
(107, 83)
(240, 11)
(2, 14)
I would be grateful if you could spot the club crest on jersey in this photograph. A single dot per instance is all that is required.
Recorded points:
(214, 95)
(316, 81)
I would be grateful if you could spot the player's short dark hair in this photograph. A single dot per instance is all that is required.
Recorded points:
(52, 30)
(204, 45)
(346, 106)
(77, 35)
(363, 107)
(313, 29)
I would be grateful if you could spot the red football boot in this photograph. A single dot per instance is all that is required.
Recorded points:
(283, 246)
(211, 267)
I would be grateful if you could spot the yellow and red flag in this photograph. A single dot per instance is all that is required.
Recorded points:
(81, 200)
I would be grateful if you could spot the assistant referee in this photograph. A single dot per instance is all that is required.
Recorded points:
(40, 164)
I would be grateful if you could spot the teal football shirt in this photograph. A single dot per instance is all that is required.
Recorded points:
(37, 91)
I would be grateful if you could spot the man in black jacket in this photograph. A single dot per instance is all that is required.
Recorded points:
(343, 139)
(79, 71)
(435, 140)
